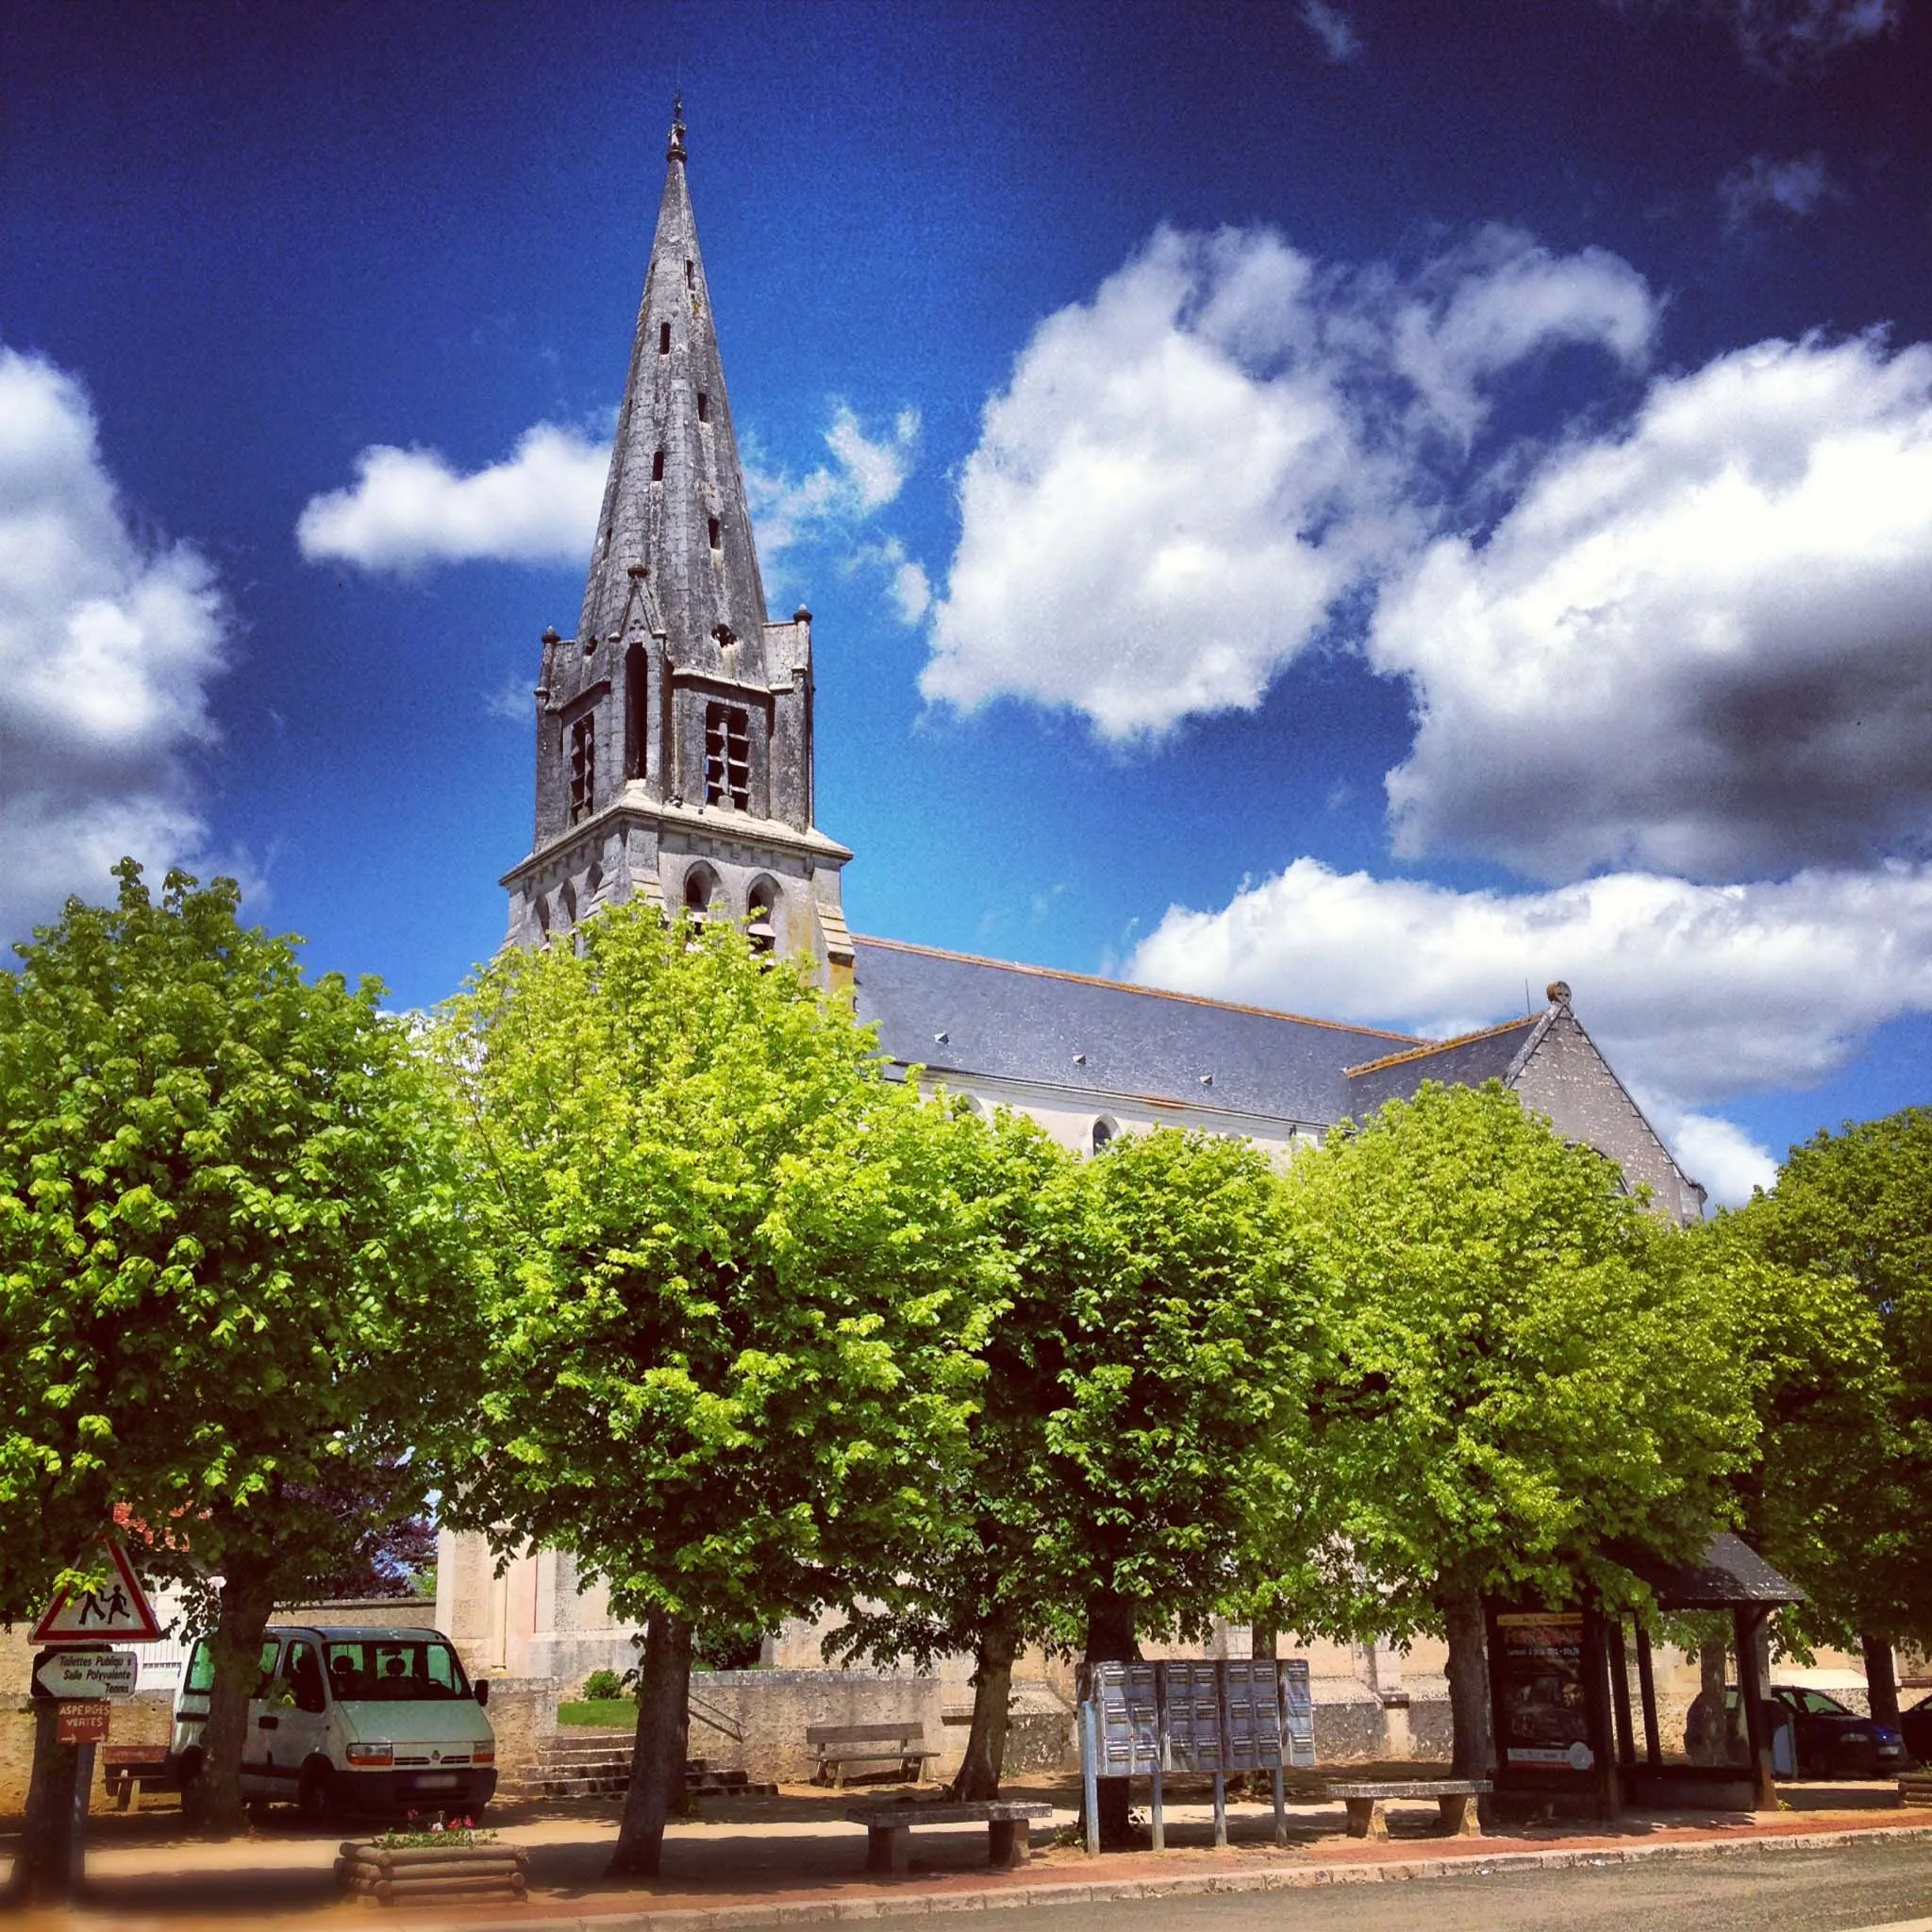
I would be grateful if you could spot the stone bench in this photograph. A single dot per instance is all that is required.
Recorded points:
(889, 1830)
(1455, 1797)
(838, 1745)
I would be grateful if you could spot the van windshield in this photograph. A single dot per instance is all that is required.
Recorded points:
(395, 1669)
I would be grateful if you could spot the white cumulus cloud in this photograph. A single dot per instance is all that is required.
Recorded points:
(1696, 992)
(407, 508)
(867, 471)
(1702, 645)
(1187, 474)
(107, 642)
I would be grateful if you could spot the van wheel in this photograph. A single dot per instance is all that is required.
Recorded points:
(315, 1796)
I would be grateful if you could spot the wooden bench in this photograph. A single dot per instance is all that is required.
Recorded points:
(1915, 1787)
(131, 1769)
(839, 1745)
(1455, 1797)
(889, 1830)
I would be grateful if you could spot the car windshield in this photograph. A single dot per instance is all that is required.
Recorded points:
(395, 1669)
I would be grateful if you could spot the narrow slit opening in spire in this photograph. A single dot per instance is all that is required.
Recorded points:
(703, 407)
(663, 339)
(658, 466)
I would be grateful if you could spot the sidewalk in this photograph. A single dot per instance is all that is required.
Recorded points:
(794, 1859)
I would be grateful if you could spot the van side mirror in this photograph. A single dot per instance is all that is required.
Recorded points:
(482, 1689)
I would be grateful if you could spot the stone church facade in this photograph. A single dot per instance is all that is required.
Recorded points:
(674, 755)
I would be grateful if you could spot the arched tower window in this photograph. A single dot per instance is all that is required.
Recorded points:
(1105, 1129)
(765, 925)
(700, 889)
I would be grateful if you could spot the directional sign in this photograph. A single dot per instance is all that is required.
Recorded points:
(82, 1723)
(85, 1674)
(118, 1610)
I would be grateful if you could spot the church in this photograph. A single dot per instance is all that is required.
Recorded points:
(673, 761)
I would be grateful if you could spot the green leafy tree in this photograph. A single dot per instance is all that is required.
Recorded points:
(1174, 1327)
(978, 1586)
(732, 1298)
(1519, 1364)
(1842, 1322)
(231, 1285)
(1143, 1396)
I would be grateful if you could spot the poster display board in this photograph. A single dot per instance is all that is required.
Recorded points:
(1545, 1720)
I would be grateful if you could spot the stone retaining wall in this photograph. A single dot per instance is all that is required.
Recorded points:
(144, 1719)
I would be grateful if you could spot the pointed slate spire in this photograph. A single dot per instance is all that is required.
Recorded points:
(675, 500)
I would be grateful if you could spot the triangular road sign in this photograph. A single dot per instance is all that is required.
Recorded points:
(119, 1611)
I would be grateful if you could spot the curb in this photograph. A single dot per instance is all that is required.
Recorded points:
(746, 1917)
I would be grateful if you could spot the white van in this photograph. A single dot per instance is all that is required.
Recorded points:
(358, 1718)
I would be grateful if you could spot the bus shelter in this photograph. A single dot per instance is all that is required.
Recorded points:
(1559, 1686)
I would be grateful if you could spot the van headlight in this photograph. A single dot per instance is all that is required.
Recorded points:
(371, 1756)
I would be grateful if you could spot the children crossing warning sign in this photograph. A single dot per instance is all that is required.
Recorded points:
(118, 1610)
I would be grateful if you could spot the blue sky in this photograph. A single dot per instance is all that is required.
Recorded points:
(1361, 508)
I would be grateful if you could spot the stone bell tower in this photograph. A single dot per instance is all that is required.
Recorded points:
(674, 730)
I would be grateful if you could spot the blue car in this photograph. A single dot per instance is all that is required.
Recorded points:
(1834, 1741)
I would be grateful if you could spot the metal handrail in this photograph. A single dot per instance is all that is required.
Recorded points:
(716, 1719)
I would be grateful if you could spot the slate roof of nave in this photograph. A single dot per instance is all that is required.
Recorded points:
(1027, 1023)
(1467, 1061)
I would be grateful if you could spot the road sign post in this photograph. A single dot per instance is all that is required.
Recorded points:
(73, 1676)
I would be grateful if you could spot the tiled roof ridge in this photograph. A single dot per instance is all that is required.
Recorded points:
(1158, 992)
(1417, 1053)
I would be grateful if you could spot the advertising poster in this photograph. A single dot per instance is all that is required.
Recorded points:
(1538, 1659)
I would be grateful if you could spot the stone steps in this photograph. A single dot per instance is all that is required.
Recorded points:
(597, 1765)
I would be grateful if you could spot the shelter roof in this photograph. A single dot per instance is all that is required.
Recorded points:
(1729, 1571)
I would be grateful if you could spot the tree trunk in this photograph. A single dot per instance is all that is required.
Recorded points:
(1881, 1679)
(656, 1766)
(979, 1778)
(48, 1855)
(1262, 1638)
(1473, 1753)
(1110, 1640)
(213, 1803)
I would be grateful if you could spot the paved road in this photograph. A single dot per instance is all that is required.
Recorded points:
(1856, 1886)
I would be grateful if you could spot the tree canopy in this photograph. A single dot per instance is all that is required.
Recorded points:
(1518, 1365)
(229, 1283)
(1835, 1266)
(731, 1293)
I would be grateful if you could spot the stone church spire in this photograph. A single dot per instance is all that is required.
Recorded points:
(674, 502)
(674, 731)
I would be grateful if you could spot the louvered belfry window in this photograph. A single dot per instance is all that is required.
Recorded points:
(583, 767)
(727, 756)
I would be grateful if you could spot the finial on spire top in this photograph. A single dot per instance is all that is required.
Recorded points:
(675, 151)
